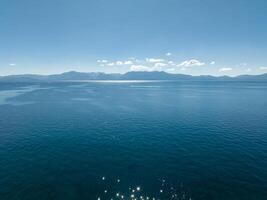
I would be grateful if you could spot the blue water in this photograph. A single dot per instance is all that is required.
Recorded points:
(174, 140)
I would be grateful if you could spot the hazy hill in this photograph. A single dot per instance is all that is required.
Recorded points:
(155, 75)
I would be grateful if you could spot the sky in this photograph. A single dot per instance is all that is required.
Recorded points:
(197, 37)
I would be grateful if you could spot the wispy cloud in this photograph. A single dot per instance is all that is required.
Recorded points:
(243, 64)
(102, 61)
(263, 68)
(111, 64)
(168, 54)
(212, 62)
(154, 60)
(144, 68)
(171, 62)
(170, 69)
(119, 62)
(160, 65)
(133, 59)
(191, 63)
(12, 64)
(128, 62)
(225, 69)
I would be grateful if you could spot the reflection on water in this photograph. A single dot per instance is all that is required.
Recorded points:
(6, 95)
(115, 189)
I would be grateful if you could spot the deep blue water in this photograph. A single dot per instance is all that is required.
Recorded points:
(194, 140)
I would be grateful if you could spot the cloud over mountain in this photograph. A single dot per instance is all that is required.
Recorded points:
(191, 63)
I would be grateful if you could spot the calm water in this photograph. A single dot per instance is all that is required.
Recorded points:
(173, 140)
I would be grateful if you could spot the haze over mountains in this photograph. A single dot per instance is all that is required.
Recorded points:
(138, 75)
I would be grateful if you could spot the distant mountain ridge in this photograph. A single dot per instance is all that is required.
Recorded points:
(133, 75)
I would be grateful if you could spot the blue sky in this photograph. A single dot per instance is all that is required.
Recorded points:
(178, 36)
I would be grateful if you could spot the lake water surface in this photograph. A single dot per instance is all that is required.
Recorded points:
(174, 140)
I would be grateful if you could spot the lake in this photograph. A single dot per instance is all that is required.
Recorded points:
(149, 139)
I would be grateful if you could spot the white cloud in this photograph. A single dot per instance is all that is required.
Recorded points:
(12, 64)
(102, 61)
(111, 64)
(154, 60)
(171, 62)
(263, 68)
(243, 64)
(212, 62)
(140, 68)
(191, 63)
(119, 63)
(224, 69)
(160, 64)
(248, 70)
(168, 54)
(170, 69)
(133, 59)
(144, 68)
(128, 62)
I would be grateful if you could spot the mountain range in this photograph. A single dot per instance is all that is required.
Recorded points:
(155, 75)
